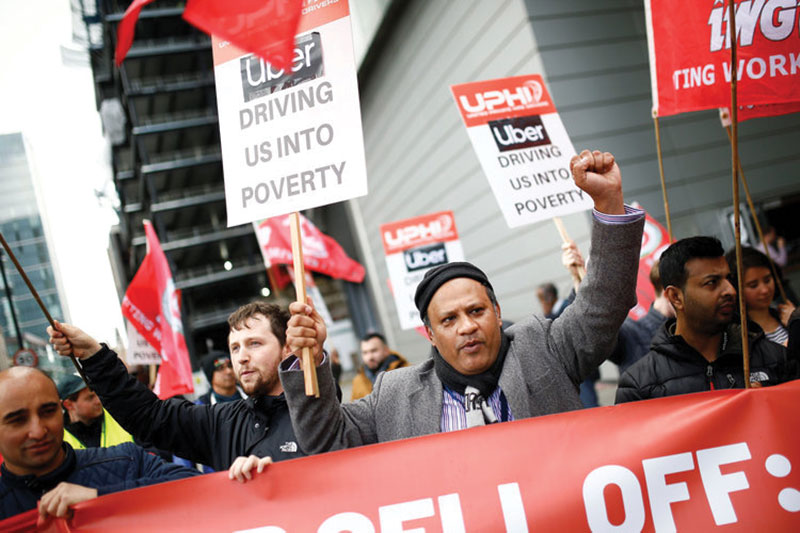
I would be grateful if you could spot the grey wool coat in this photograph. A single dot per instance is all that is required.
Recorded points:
(546, 361)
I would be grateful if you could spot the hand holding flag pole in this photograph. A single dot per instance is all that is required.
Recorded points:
(579, 272)
(309, 366)
(38, 300)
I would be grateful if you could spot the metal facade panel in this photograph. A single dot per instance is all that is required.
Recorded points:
(419, 158)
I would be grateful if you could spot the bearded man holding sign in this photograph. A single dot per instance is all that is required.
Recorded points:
(478, 373)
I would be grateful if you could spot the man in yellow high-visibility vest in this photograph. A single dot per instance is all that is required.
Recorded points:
(86, 423)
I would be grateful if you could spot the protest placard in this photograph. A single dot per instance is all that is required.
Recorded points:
(291, 140)
(139, 351)
(413, 246)
(522, 146)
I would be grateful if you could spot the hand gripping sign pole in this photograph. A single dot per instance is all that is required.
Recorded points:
(38, 300)
(309, 366)
(580, 271)
(736, 227)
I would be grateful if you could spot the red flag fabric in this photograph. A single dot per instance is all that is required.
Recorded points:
(279, 275)
(126, 28)
(264, 27)
(320, 252)
(690, 57)
(655, 240)
(153, 305)
(721, 461)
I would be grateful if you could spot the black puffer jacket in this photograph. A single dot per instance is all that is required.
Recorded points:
(212, 435)
(108, 470)
(673, 367)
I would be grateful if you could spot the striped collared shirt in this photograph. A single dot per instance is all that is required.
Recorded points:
(454, 416)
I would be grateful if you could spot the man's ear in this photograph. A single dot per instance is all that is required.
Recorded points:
(429, 333)
(68, 404)
(499, 315)
(675, 297)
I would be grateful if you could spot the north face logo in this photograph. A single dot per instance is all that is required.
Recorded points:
(289, 447)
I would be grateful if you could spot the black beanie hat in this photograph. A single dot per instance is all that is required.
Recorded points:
(438, 276)
(209, 362)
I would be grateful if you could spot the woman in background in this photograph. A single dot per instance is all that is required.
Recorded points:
(759, 292)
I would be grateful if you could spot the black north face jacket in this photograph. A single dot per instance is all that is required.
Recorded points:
(673, 367)
(213, 435)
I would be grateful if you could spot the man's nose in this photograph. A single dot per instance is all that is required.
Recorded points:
(37, 429)
(466, 325)
(728, 287)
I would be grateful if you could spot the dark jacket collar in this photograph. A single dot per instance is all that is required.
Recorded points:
(667, 343)
(266, 405)
(41, 484)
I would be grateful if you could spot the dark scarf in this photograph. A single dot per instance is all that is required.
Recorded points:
(485, 382)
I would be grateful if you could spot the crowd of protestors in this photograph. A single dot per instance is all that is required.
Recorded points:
(68, 443)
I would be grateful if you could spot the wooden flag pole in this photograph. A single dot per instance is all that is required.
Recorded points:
(309, 366)
(661, 173)
(579, 271)
(758, 225)
(38, 300)
(272, 282)
(735, 172)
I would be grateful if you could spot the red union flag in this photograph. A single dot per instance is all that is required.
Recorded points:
(153, 305)
(720, 461)
(690, 59)
(265, 28)
(321, 253)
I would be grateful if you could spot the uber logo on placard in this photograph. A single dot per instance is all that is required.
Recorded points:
(425, 256)
(521, 132)
(259, 78)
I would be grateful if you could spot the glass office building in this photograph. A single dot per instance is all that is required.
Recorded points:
(22, 321)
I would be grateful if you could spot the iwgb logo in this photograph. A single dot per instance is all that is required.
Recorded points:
(776, 20)
(494, 101)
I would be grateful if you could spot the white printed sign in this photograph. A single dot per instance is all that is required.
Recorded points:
(414, 246)
(139, 350)
(291, 140)
(522, 146)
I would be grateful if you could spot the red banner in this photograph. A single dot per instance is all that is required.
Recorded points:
(690, 57)
(655, 240)
(321, 253)
(153, 305)
(724, 461)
